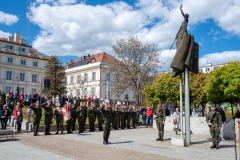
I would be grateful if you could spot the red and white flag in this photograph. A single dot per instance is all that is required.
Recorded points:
(66, 112)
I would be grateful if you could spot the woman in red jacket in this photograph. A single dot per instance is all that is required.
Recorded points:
(18, 117)
(149, 117)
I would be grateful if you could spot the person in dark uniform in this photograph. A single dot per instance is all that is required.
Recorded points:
(214, 121)
(160, 116)
(107, 115)
(134, 116)
(58, 115)
(129, 116)
(48, 116)
(100, 117)
(36, 117)
(84, 110)
(123, 117)
(91, 116)
(69, 121)
(73, 113)
(80, 116)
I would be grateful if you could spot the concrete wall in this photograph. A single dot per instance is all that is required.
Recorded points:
(199, 126)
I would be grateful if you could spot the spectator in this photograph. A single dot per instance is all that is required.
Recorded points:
(22, 97)
(29, 99)
(149, 117)
(4, 117)
(176, 121)
(11, 95)
(18, 118)
(194, 113)
(9, 114)
(12, 107)
(219, 109)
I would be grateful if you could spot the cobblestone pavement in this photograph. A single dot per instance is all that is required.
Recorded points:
(126, 144)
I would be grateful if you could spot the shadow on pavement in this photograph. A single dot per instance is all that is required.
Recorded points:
(227, 146)
(7, 140)
(201, 142)
(123, 142)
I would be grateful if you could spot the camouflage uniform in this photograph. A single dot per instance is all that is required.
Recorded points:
(129, 116)
(48, 118)
(115, 118)
(91, 118)
(59, 119)
(74, 115)
(100, 119)
(215, 127)
(160, 119)
(80, 116)
(123, 118)
(107, 115)
(36, 118)
(134, 117)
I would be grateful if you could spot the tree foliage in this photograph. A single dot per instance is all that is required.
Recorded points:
(55, 72)
(136, 65)
(164, 89)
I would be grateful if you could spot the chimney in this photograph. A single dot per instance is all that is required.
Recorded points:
(84, 57)
(17, 37)
(89, 56)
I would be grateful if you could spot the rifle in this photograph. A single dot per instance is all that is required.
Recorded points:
(173, 43)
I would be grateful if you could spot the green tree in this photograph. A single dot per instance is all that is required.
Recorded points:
(164, 89)
(196, 89)
(55, 72)
(223, 85)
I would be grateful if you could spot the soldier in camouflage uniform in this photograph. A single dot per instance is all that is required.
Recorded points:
(91, 116)
(129, 116)
(214, 121)
(84, 110)
(134, 116)
(48, 117)
(160, 116)
(116, 113)
(123, 115)
(58, 115)
(73, 114)
(36, 117)
(107, 115)
(80, 116)
(100, 117)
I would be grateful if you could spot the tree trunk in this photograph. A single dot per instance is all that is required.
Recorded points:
(203, 109)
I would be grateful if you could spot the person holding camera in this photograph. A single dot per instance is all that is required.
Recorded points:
(214, 121)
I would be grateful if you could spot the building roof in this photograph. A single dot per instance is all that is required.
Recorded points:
(99, 57)
(18, 43)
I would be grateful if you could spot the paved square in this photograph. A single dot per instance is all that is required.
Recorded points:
(126, 144)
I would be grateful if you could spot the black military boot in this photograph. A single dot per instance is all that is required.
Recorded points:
(213, 145)
(159, 138)
(109, 142)
(105, 142)
(56, 132)
(217, 146)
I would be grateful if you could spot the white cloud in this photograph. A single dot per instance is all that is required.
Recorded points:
(215, 58)
(4, 34)
(7, 19)
(72, 28)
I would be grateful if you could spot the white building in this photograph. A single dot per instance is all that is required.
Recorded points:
(20, 65)
(89, 76)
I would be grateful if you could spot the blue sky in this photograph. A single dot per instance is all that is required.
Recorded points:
(73, 28)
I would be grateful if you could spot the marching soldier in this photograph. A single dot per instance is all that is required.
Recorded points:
(91, 117)
(214, 121)
(36, 117)
(58, 115)
(134, 116)
(48, 117)
(160, 116)
(73, 114)
(80, 115)
(107, 115)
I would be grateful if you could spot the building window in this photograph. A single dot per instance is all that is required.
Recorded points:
(9, 47)
(93, 91)
(34, 90)
(207, 69)
(21, 90)
(71, 80)
(23, 62)
(45, 65)
(93, 76)
(8, 88)
(10, 60)
(34, 77)
(85, 92)
(78, 78)
(21, 49)
(22, 77)
(108, 76)
(85, 77)
(215, 68)
(35, 64)
(200, 70)
(9, 75)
